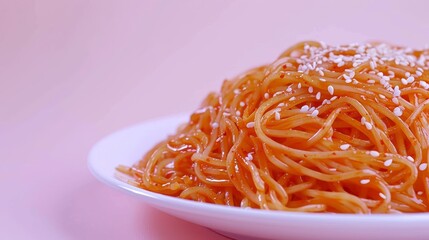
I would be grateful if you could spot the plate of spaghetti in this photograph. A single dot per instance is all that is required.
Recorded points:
(326, 142)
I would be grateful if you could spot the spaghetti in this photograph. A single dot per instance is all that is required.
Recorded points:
(341, 129)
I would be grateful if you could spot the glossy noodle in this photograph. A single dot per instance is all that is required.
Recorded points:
(340, 129)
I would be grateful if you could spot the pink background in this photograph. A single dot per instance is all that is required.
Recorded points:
(73, 71)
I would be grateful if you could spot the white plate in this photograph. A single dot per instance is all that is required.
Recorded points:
(128, 145)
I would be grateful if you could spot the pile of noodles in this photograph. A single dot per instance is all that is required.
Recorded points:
(340, 129)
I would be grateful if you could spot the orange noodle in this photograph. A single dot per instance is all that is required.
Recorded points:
(340, 129)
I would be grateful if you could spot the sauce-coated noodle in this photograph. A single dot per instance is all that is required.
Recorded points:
(340, 129)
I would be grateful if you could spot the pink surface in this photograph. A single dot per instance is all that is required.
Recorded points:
(73, 71)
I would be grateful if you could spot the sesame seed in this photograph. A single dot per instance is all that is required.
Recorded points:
(242, 104)
(407, 74)
(249, 157)
(422, 60)
(396, 61)
(337, 60)
(423, 166)
(318, 94)
(368, 125)
(215, 125)
(411, 159)
(304, 108)
(331, 90)
(281, 105)
(340, 64)
(395, 101)
(348, 79)
(315, 113)
(388, 162)
(289, 89)
(382, 96)
(404, 81)
(306, 47)
(410, 79)
(277, 115)
(345, 146)
(372, 64)
(374, 153)
(382, 195)
(321, 73)
(266, 95)
(250, 124)
(277, 93)
(420, 193)
(364, 181)
(362, 120)
(311, 109)
(397, 111)
(418, 73)
(238, 113)
(333, 98)
(299, 85)
(310, 89)
(396, 91)
(236, 91)
(292, 98)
